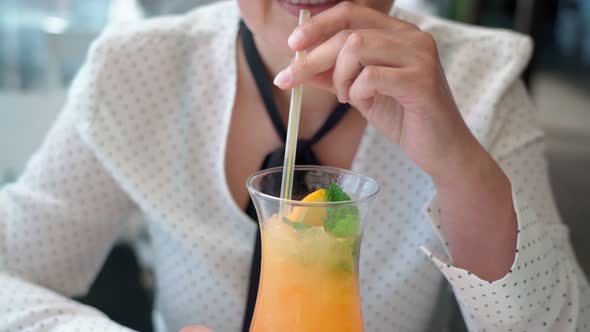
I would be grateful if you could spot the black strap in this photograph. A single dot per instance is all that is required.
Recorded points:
(254, 272)
(305, 155)
(330, 122)
(262, 83)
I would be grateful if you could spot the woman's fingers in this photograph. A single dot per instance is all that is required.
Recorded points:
(323, 81)
(367, 48)
(416, 86)
(344, 16)
(379, 80)
(318, 60)
(346, 54)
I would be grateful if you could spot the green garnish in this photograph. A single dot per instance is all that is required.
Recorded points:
(344, 225)
(341, 221)
(334, 193)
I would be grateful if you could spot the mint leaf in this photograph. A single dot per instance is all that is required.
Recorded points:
(342, 221)
(335, 194)
(346, 226)
(298, 226)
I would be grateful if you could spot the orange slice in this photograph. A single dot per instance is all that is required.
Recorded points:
(313, 216)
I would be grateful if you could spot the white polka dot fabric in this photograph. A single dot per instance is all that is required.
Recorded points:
(145, 129)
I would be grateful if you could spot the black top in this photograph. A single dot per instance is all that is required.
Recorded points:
(305, 155)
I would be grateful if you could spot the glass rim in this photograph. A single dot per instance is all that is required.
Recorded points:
(291, 202)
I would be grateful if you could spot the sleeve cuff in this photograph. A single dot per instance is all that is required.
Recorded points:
(25, 306)
(534, 278)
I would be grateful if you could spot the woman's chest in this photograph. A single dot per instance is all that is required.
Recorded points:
(256, 133)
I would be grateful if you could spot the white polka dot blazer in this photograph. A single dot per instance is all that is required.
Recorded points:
(144, 129)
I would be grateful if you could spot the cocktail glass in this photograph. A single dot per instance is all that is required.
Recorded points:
(310, 250)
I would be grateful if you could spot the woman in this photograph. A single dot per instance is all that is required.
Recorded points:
(167, 119)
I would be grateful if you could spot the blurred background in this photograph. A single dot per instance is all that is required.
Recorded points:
(44, 42)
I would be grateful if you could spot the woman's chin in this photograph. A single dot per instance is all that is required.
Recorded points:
(293, 7)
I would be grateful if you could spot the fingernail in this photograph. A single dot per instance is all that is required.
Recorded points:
(283, 78)
(296, 37)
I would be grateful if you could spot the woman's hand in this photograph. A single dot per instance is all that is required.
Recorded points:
(390, 71)
(196, 328)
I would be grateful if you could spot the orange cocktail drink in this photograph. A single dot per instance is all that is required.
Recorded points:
(310, 253)
(309, 281)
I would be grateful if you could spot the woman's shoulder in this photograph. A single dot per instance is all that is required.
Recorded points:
(158, 68)
(455, 35)
(483, 67)
(466, 50)
(204, 23)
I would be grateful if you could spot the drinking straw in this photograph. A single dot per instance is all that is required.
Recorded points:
(293, 126)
